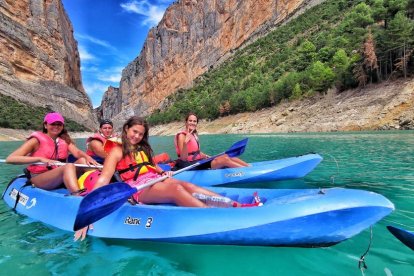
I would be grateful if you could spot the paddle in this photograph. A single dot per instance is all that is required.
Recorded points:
(61, 164)
(106, 199)
(406, 237)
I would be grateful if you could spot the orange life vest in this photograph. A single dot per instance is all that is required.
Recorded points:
(97, 136)
(131, 167)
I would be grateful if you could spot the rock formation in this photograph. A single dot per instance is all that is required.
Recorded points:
(192, 37)
(39, 59)
(110, 104)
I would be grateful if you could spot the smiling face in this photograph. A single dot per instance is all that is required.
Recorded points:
(135, 133)
(106, 130)
(191, 123)
(53, 129)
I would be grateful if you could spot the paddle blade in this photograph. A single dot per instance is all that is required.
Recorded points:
(101, 202)
(404, 236)
(237, 148)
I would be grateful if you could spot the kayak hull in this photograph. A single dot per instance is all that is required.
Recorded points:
(281, 169)
(298, 218)
(406, 237)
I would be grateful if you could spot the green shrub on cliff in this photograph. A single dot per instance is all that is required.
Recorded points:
(17, 115)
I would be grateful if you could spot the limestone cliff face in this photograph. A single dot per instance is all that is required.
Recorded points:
(39, 59)
(192, 37)
(110, 104)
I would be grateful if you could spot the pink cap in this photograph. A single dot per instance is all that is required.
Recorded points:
(50, 118)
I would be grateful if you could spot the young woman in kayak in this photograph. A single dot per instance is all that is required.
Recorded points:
(188, 150)
(49, 146)
(133, 161)
(95, 143)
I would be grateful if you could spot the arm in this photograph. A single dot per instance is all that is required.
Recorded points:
(19, 156)
(97, 147)
(79, 154)
(182, 141)
(109, 167)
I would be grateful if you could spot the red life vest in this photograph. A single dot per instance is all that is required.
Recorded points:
(97, 136)
(193, 147)
(55, 150)
(131, 167)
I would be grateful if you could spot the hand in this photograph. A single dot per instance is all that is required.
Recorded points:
(51, 163)
(82, 233)
(91, 162)
(168, 173)
(188, 136)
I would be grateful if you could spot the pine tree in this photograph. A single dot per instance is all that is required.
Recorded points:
(370, 60)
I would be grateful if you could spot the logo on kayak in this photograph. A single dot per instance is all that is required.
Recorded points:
(32, 203)
(137, 221)
(235, 174)
(132, 221)
(23, 199)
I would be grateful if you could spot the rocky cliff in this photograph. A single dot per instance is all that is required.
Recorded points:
(192, 37)
(39, 59)
(110, 104)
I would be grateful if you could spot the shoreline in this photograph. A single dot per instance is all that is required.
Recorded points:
(384, 106)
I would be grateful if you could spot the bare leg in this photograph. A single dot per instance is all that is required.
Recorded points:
(226, 161)
(170, 191)
(191, 188)
(52, 179)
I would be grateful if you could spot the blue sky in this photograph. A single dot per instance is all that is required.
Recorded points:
(110, 34)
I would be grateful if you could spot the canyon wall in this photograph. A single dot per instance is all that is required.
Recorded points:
(39, 58)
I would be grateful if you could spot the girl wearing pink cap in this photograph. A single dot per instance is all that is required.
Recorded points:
(49, 146)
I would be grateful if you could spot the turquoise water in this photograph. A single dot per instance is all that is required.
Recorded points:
(382, 162)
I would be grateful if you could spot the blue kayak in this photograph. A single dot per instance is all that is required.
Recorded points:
(406, 237)
(281, 169)
(288, 217)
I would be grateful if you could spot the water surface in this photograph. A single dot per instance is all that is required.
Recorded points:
(382, 162)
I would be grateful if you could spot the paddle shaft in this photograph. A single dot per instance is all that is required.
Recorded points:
(60, 164)
(152, 182)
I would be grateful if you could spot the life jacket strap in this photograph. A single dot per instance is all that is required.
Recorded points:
(131, 168)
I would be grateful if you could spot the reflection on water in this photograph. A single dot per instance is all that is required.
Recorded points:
(382, 162)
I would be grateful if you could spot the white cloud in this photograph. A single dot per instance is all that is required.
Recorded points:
(95, 92)
(90, 68)
(94, 40)
(84, 54)
(116, 77)
(111, 74)
(95, 88)
(152, 13)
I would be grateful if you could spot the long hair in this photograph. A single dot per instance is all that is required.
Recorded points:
(188, 116)
(64, 135)
(127, 148)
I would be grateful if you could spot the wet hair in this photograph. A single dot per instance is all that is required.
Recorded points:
(104, 122)
(143, 144)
